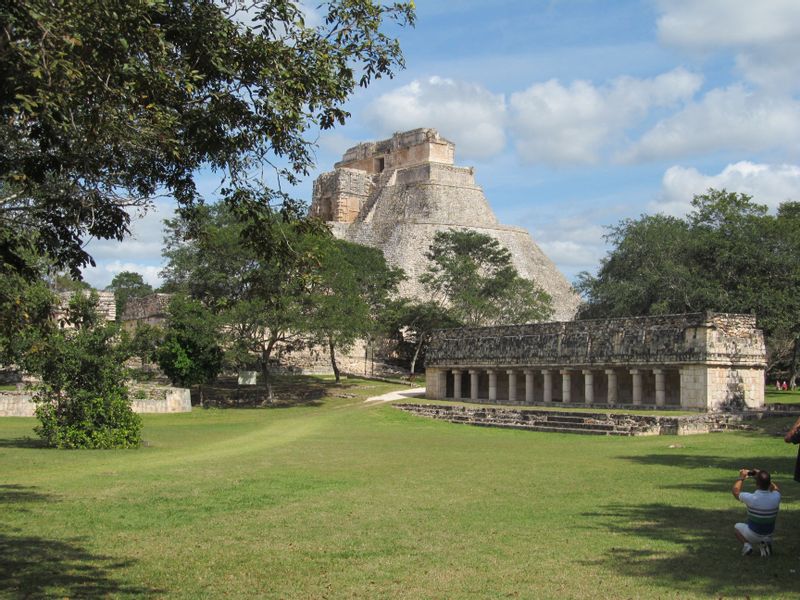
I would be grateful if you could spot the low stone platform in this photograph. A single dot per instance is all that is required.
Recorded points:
(588, 423)
(145, 399)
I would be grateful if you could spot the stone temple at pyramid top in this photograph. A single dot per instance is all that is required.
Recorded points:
(396, 194)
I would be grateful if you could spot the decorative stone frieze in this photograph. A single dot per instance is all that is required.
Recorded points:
(700, 361)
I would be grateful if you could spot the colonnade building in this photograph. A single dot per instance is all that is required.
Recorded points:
(703, 361)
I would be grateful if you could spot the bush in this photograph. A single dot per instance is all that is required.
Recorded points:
(82, 401)
(190, 352)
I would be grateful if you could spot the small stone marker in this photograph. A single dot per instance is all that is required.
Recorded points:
(247, 377)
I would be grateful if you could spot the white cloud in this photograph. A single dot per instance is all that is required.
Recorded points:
(767, 184)
(140, 252)
(465, 113)
(733, 118)
(100, 276)
(575, 124)
(765, 34)
(574, 243)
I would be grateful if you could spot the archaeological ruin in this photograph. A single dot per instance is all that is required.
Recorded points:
(702, 361)
(396, 194)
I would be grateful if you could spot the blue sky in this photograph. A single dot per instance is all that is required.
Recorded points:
(577, 113)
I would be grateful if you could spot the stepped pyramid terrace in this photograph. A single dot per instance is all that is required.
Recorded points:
(396, 194)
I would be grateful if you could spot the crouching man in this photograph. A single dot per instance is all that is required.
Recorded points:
(762, 510)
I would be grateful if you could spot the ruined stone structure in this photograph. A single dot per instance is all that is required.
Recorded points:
(396, 194)
(150, 309)
(706, 361)
(106, 306)
(145, 398)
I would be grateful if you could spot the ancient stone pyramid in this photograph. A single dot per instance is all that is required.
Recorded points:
(396, 194)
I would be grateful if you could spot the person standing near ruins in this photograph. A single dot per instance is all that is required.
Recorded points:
(793, 437)
(762, 511)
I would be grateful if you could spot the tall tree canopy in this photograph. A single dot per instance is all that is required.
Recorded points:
(104, 104)
(472, 275)
(350, 289)
(259, 298)
(727, 255)
(127, 285)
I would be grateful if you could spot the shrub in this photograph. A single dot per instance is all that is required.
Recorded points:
(82, 401)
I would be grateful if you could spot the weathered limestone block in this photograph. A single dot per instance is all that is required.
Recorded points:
(150, 309)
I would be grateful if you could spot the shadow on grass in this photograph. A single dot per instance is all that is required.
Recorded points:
(35, 567)
(19, 494)
(287, 391)
(22, 442)
(708, 559)
(781, 469)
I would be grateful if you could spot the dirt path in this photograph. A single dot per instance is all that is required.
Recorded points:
(398, 395)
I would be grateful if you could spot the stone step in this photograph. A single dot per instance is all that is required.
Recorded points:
(550, 428)
(569, 427)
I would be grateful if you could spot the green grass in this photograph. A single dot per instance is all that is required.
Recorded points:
(772, 396)
(8, 387)
(339, 499)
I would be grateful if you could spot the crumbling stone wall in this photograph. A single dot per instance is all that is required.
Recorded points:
(150, 309)
(106, 305)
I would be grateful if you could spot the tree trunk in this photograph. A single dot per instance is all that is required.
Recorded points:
(333, 360)
(794, 368)
(265, 375)
(416, 355)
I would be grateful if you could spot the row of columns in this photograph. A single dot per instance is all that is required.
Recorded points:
(566, 385)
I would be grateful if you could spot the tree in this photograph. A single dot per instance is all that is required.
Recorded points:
(127, 285)
(82, 401)
(25, 313)
(256, 295)
(105, 103)
(351, 287)
(190, 353)
(144, 342)
(473, 276)
(414, 324)
(727, 255)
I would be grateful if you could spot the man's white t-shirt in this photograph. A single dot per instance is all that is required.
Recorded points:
(762, 510)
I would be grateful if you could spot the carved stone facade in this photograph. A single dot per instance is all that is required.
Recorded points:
(106, 306)
(150, 309)
(396, 194)
(707, 361)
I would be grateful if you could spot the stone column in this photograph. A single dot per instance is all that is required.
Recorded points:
(612, 386)
(661, 387)
(492, 385)
(566, 386)
(547, 387)
(456, 384)
(441, 382)
(588, 386)
(512, 385)
(473, 385)
(636, 376)
(528, 386)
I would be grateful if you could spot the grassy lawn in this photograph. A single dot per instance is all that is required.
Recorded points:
(341, 499)
(773, 396)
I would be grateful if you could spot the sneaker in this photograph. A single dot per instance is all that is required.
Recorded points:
(747, 549)
(766, 548)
